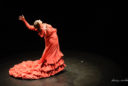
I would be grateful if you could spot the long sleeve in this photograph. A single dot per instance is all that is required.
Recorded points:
(41, 34)
(31, 27)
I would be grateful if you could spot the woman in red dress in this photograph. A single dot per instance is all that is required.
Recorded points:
(51, 61)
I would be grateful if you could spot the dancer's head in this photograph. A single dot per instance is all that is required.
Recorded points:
(37, 24)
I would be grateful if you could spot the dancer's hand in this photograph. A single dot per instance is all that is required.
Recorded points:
(22, 18)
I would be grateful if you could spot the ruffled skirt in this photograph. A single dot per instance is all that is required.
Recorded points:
(35, 70)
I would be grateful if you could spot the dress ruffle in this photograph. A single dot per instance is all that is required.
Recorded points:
(35, 70)
(50, 63)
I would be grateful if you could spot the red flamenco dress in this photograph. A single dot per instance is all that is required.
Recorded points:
(48, 65)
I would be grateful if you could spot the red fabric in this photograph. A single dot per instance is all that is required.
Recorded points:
(52, 51)
(49, 64)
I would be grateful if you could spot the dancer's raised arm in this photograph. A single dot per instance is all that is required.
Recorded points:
(31, 27)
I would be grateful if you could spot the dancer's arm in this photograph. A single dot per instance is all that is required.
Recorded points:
(31, 27)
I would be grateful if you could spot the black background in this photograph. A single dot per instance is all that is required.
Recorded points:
(79, 28)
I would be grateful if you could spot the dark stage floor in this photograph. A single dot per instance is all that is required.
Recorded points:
(83, 69)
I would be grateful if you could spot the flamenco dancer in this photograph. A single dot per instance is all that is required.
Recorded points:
(51, 61)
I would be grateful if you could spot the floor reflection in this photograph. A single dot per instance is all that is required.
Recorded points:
(82, 69)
